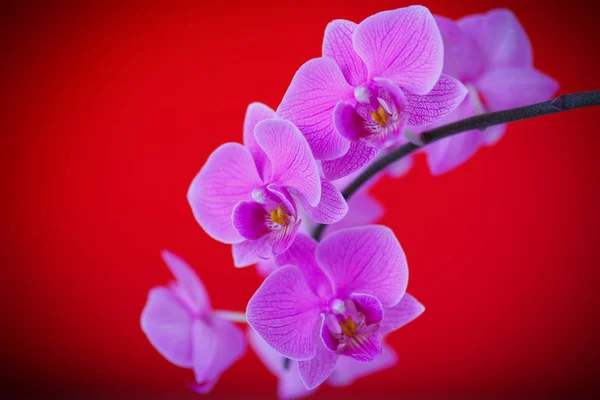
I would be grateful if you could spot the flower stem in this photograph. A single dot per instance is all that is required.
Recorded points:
(565, 102)
(233, 316)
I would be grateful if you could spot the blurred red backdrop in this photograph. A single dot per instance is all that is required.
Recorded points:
(110, 110)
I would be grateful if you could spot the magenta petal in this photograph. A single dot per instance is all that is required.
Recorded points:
(315, 371)
(228, 177)
(363, 209)
(446, 95)
(515, 87)
(191, 286)
(337, 45)
(202, 388)
(309, 101)
(250, 220)
(284, 311)
(302, 255)
(332, 207)
(347, 122)
(369, 306)
(293, 165)
(285, 237)
(365, 260)
(500, 37)
(348, 369)
(216, 347)
(244, 254)
(255, 113)
(168, 326)
(291, 386)
(403, 45)
(367, 349)
(401, 314)
(458, 47)
(357, 156)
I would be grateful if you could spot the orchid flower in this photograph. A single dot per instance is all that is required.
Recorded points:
(491, 54)
(345, 373)
(250, 195)
(179, 322)
(330, 299)
(374, 79)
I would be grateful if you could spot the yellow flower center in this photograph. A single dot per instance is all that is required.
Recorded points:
(279, 216)
(381, 117)
(348, 327)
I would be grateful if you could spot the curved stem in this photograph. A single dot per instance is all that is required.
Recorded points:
(563, 103)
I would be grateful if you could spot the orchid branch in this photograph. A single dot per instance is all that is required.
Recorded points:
(565, 102)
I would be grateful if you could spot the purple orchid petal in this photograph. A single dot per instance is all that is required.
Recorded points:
(202, 388)
(244, 254)
(293, 165)
(348, 122)
(284, 311)
(285, 237)
(458, 47)
(403, 45)
(363, 209)
(192, 289)
(515, 87)
(447, 94)
(401, 314)
(492, 134)
(309, 101)
(168, 326)
(302, 255)
(367, 348)
(255, 113)
(348, 369)
(228, 177)
(250, 220)
(500, 37)
(315, 371)
(337, 45)
(290, 385)
(332, 207)
(400, 167)
(216, 347)
(263, 247)
(365, 260)
(357, 156)
(369, 306)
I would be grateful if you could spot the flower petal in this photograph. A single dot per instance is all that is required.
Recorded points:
(365, 260)
(250, 220)
(357, 156)
(369, 306)
(293, 165)
(401, 314)
(188, 281)
(337, 45)
(500, 37)
(363, 209)
(244, 254)
(515, 87)
(447, 94)
(365, 347)
(458, 47)
(309, 101)
(255, 113)
(401, 167)
(403, 45)
(216, 347)
(493, 133)
(168, 326)
(332, 207)
(348, 369)
(285, 237)
(315, 371)
(302, 255)
(291, 386)
(284, 311)
(347, 122)
(227, 178)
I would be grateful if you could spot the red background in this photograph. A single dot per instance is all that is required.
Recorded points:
(109, 111)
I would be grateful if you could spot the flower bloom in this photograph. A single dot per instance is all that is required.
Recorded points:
(250, 195)
(331, 298)
(374, 79)
(180, 324)
(491, 54)
(290, 384)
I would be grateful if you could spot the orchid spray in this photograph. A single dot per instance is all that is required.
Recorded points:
(399, 82)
